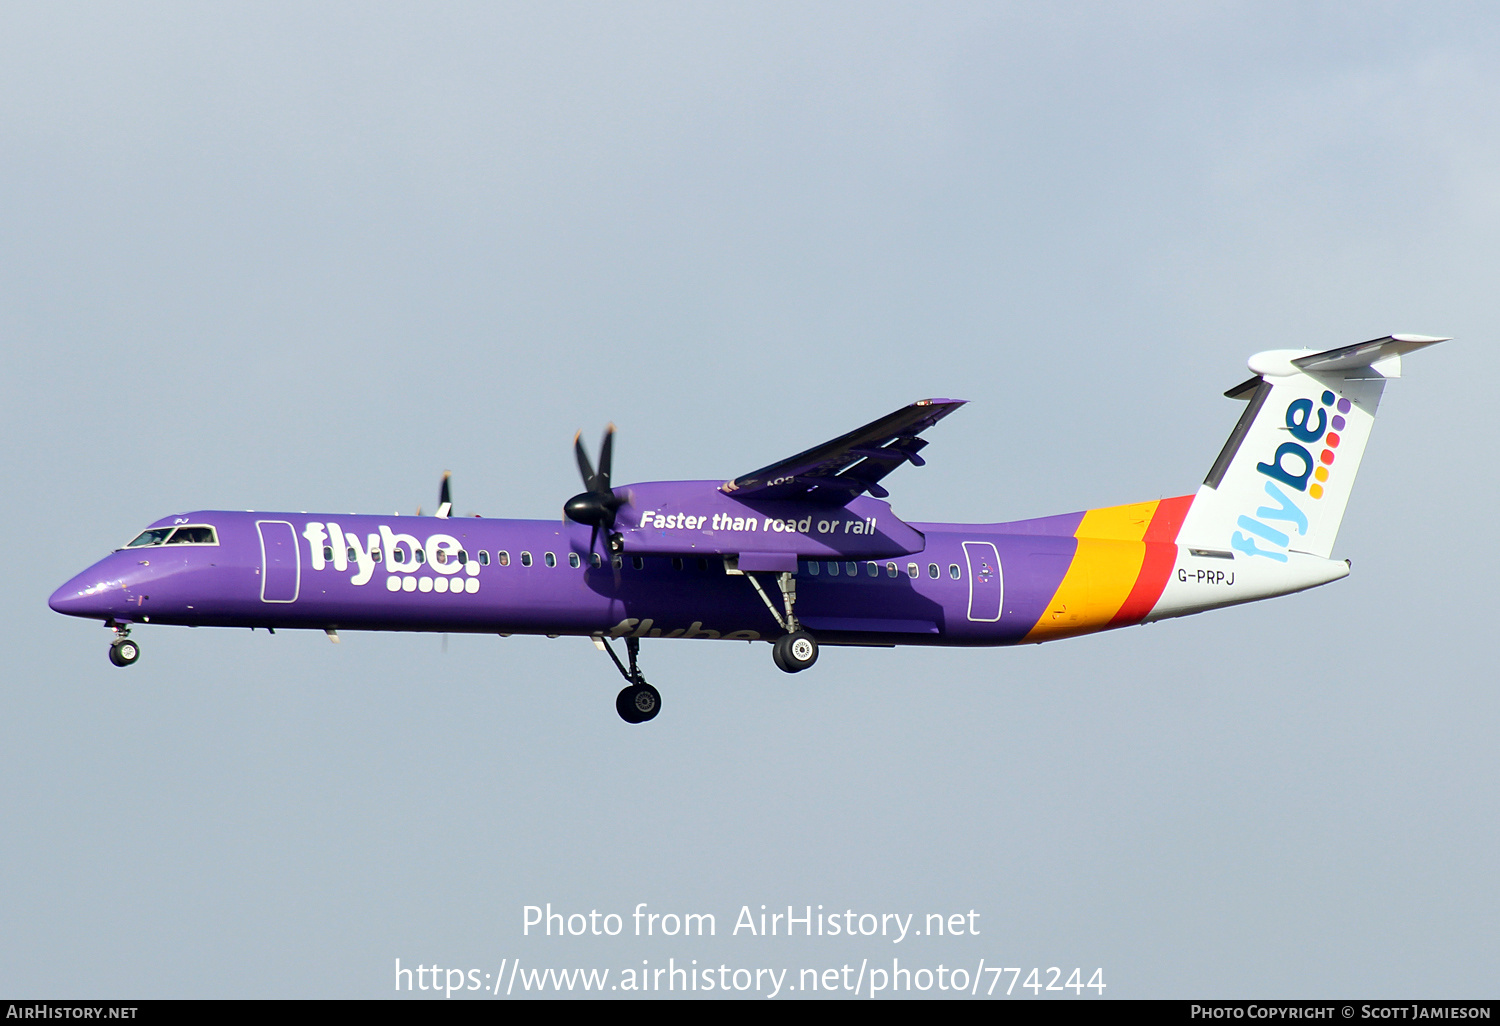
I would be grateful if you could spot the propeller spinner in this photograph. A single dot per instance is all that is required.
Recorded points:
(597, 505)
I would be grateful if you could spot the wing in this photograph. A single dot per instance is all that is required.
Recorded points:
(837, 471)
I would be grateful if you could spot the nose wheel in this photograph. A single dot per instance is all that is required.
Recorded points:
(123, 652)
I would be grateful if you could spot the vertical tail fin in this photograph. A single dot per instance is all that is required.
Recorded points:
(1282, 482)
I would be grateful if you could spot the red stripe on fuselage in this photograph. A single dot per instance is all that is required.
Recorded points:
(1161, 555)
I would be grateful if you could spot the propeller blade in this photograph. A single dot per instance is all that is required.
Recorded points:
(596, 505)
(606, 458)
(585, 468)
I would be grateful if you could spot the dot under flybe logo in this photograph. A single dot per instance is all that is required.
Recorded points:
(1295, 467)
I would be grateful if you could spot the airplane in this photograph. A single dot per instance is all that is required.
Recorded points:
(803, 553)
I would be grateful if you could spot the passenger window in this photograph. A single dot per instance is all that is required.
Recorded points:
(833, 569)
(551, 559)
(350, 556)
(932, 570)
(442, 557)
(398, 555)
(637, 562)
(912, 571)
(525, 559)
(328, 553)
(155, 536)
(574, 561)
(953, 570)
(503, 557)
(421, 555)
(617, 561)
(890, 569)
(463, 557)
(484, 557)
(375, 554)
(872, 570)
(676, 562)
(812, 568)
(595, 560)
(852, 569)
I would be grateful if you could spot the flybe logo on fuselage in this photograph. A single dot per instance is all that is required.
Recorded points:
(1293, 466)
(403, 555)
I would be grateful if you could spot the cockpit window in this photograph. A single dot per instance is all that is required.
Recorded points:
(193, 534)
(187, 534)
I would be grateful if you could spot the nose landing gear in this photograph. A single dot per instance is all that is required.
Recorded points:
(122, 651)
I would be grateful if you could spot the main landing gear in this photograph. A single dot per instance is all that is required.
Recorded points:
(795, 650)
(122, 651)
(638, 701)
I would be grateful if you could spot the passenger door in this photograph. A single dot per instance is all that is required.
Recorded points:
(986, 582)
(280, 567)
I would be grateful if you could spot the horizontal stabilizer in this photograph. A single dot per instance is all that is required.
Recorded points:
(1366, 354)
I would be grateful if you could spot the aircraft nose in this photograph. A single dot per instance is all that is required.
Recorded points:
(85, 595)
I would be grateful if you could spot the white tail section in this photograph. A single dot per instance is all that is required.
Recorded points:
(1282, 483)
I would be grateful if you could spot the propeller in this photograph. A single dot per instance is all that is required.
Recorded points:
(445, 498)
(596, 506)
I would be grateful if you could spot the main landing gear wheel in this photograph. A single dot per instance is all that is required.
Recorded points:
(795, 652)
(124, 652)
(638, 703)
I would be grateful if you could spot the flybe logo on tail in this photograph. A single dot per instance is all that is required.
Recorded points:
(1294, 467)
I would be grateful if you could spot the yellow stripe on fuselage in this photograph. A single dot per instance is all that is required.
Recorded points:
(1110, 552)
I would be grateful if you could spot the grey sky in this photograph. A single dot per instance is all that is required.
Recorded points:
(292, 257)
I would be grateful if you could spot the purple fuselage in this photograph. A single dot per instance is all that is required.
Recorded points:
(875, 581)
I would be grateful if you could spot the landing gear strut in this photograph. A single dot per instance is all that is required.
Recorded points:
(795, 650)
(122, 651)
(638, 701)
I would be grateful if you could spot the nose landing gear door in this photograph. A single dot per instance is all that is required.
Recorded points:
(280, 567)
(986, 582)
